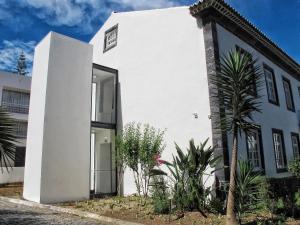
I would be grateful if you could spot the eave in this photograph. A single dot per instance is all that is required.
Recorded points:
(230, 19)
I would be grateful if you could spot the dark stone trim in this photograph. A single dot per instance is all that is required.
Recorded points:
(261, 148)
(274, 130)
(266, 67)
(109, 30)
(284, 79)
(230, 19)
(219, 136)
(294, 134)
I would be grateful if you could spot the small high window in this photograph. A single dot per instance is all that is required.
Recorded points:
(254, 147)
(295, 144)
(288, 94)
(271, 85)
(279, 150)
(110, 38)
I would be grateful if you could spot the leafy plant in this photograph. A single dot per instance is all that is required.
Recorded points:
(294, 167)
(160, 195)
(187, 175)
(8, 139)
(237, 80)
(247, 193)
(137, 149)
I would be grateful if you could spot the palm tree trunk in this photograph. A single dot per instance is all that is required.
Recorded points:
(230, 214)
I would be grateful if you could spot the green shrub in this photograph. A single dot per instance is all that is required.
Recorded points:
(294, 167)
(160, 195)
(216, 205)
(246, 195)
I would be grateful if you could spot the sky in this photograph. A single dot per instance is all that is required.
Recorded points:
(23, 23)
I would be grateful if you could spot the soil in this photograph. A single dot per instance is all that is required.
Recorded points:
(133, 209)
(14, 190)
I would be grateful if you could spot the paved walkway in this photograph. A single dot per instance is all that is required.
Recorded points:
(14, 214)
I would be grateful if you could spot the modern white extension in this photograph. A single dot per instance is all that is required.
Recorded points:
(153, 67)
(14, 96)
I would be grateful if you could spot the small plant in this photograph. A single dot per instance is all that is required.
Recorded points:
(216, 205)
(160, 195)
(246, 194)
(137, 148)
(187, 175)
(294, 167)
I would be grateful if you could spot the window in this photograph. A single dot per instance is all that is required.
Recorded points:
(110, 38)
(271, 85)
(20, 157)
(21, 129)
(299, 91)
(244, 52)
(295, 144)
(288, 94)
(254, 147)
(16, 101)
(279, 150)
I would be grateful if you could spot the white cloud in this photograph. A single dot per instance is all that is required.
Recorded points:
(10, 51)
(83, 13)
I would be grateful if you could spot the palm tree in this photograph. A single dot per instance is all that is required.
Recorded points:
(8, 139)
(237, 81)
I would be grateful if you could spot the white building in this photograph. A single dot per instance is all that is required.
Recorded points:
(14, 96)
(154, 67)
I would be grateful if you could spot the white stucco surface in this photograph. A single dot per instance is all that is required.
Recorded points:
(58, 150)
(272, 116)
(160, 57)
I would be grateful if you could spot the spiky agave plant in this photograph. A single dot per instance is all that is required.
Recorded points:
(237, 79)
(8, 139)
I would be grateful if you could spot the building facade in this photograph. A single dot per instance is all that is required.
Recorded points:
(15, 96)
(155, 67)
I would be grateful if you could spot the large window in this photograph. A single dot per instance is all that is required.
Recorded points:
(20, 157)
(271, 85)
(254, 147)
(21, 129)
(279, 150)
(111, 38)
(15, 101)
(295, 144)
(288, 94)
(104, 95)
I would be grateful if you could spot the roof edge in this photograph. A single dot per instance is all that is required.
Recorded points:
(221, 7)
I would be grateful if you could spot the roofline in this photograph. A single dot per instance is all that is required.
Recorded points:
(221, 9)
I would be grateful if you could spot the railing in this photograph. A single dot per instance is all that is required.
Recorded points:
(16, 108)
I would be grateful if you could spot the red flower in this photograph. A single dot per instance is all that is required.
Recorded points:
(158, 160)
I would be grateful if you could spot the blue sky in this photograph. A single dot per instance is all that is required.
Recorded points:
(23, 23)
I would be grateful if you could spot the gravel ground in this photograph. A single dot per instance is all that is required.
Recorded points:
(13, 214)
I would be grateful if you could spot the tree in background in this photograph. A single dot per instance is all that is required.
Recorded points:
(21, 65)
(237, 81)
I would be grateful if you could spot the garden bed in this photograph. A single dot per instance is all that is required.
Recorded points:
(133, 209)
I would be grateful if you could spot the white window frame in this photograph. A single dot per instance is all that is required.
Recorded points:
(279, 150)
(254, 148)
(295, 144)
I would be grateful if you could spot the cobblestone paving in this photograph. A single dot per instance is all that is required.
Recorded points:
(14, 214)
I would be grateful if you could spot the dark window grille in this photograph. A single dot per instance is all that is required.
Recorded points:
(16, 101)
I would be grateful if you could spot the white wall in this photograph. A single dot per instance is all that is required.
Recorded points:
(16, 82)
(272, 116)
(160, 56)
(58, 151)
